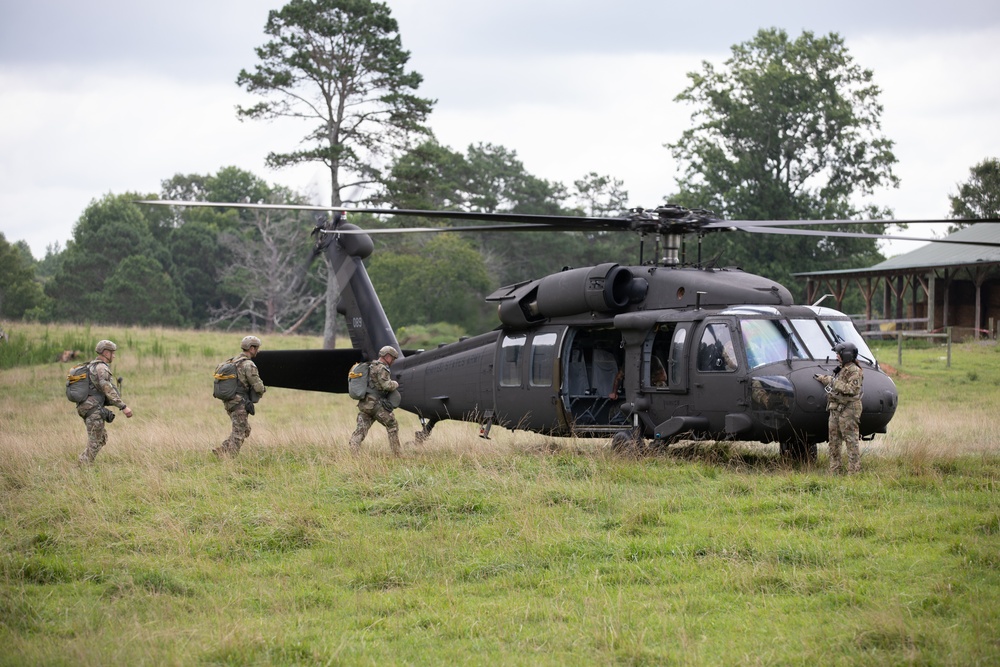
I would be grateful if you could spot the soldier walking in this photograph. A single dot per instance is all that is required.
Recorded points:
(249, 387)
(843, 402)
(375, 406)
(101, 392)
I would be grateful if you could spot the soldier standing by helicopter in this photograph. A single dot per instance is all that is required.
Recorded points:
(375, 406)
(843, 402)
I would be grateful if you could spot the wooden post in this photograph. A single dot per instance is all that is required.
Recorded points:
(948, 364)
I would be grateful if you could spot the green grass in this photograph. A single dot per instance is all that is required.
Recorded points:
(520, 550)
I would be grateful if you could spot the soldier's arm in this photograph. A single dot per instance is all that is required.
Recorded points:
(848, 383)
(103, 382)
(253, 379)
(382, 380)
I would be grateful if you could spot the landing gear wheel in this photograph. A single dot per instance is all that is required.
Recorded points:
(799, 451)
(628, 443)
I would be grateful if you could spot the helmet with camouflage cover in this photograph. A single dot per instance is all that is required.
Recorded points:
(249, 341)
(105, 345)
(388, 350)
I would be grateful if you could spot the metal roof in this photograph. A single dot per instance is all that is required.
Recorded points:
(936, 255)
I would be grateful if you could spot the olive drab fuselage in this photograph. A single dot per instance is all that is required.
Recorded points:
(705, 352)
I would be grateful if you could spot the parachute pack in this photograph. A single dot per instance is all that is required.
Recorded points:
(78, 384)
(226, 384)
(357, 381)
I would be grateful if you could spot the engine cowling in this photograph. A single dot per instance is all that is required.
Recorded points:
(606, 288)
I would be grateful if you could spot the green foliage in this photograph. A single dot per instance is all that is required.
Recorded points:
(140, 291)
(90, 278)
(196, 260)
(978, 197)
(27, 348)
(427, 336)
(19, 291)
(338, 64)
(445, 280)
(787, 130)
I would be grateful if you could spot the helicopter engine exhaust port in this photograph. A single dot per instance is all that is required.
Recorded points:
(604, 288)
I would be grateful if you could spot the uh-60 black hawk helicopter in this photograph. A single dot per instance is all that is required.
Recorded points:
(705, 352)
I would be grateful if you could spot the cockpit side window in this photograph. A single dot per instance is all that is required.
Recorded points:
(716, 351)
(665, 357)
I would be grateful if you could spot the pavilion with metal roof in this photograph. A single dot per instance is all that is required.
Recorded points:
(936, 286)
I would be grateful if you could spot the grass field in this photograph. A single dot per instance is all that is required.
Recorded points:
(520, 550)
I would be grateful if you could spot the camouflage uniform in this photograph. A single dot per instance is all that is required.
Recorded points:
(844, 405)
(375, 408)
(91, 410)
(248, 378)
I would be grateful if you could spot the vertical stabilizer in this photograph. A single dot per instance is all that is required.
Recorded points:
(367, 324)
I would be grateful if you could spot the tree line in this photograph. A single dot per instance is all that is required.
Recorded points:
(783, 129)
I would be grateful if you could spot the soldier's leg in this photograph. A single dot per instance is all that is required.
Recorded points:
(833, 442)
(241, 429)
(364, 423)
(850, 433)
(97, 437)
(387, 419)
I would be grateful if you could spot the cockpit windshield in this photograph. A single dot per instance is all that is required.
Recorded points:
(770, 341)
(821, 335)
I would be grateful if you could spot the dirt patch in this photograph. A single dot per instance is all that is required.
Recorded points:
(893, 372)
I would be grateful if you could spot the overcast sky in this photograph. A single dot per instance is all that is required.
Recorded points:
(109, 96)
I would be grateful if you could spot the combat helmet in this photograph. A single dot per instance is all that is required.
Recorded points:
(390, 350)
(105, 345)
(847, 352)
(249, 341)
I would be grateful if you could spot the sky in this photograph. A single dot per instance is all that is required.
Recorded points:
(109, 96)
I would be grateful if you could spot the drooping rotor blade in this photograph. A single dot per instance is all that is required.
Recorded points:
(518, 218)
(858, 235)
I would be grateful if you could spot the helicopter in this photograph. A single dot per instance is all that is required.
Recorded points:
(645, 355)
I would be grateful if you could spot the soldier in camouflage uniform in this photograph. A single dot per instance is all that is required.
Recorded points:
(249, 387)
(102, 392)
(375, 407)
(844, 405)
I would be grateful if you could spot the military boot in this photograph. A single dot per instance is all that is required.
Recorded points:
(394, 442)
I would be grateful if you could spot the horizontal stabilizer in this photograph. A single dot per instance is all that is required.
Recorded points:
(311, 370)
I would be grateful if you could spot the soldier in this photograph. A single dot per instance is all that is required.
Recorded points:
(248, 388)
(843, 402)
(102, 392)
(375, 405)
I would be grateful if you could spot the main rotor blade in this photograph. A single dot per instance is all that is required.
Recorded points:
(861, 235)
(811, 223)
(520, 218)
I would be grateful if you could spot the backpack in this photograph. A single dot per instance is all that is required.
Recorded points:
(78, 384)
(357, 381)
(226, 385)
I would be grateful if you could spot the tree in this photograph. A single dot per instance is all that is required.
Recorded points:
(338, 64)
(109, 231)
(445, 282)
(978, 197)
(139, 291)
(600, 195)
(19, 292)
(785, 130)
(263, 273)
